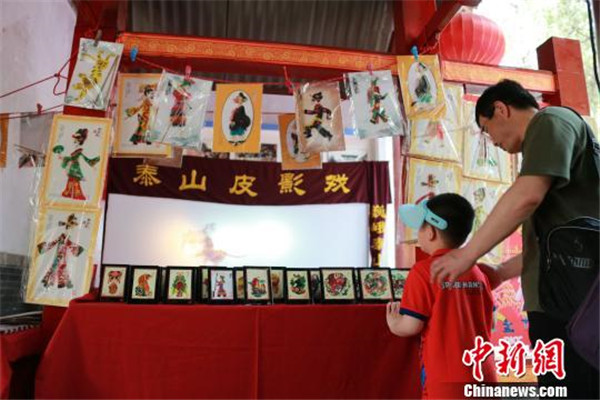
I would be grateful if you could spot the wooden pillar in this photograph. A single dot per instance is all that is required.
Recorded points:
(563, 57)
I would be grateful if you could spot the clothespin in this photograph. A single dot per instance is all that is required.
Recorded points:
(415, 52)
(133, 53)
(288, 83)
(98, 37)
(188, 72)
(39, 108)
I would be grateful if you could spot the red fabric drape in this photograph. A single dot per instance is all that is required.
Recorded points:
(110, 350)
(14, 346)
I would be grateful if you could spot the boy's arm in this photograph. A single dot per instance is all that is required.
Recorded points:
(402, 325)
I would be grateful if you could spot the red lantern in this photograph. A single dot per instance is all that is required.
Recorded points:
(472, 38)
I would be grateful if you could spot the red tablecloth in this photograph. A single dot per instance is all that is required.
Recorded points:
(14, 346)
(103, 350)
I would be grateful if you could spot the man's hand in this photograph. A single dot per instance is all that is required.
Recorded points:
(450, 266)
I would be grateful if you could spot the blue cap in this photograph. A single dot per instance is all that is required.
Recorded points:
(413, 216)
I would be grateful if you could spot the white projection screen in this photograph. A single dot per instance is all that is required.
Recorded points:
(161, 231)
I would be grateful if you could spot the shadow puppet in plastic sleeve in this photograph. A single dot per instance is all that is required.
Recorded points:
(481, 159)
(76, 160)
(61, 255)
(134, 111)
(319, 117)
(427, 179)
(374, 105)
(179, 109)
(237, 118)
(293, 157)
(94, 74)
(421, 83)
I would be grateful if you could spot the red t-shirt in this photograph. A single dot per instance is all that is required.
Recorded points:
(454, 315)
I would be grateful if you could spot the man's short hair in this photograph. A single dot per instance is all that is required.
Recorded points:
(510, 93)
(458, 213)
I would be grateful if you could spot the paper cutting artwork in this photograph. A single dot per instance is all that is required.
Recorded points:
(292, 155)
(421, 85)
(483, 196)
(136, 94)
(76, 161)
(482, 159)
(430, 139)
(375, 109)
(319, 117)
(94, 74)
(179, 108)
(237, 118)
(426, 179)
(62, 255)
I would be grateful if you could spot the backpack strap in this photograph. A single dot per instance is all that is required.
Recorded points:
(593, 144)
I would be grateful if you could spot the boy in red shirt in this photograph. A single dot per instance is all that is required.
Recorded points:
(450, 316)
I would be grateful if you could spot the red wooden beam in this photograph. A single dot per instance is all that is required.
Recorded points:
(563, 57)
(428, 39)
(410, 19)
(309, 62)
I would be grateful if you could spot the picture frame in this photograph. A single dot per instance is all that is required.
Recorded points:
(398, 276)
(257, 281)
(113, 283)
(134, 112)
(338, 285)
(278, 284)
(144, 284)
(316, 286)
(203, 291)
(221, 287)
(357, 288)
(297, 286)
(237, 118)
(375, 285)
(62, 255)
(180, 285)
(240, 286)
(76, 160)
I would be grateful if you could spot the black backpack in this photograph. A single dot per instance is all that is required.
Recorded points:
(569, 257)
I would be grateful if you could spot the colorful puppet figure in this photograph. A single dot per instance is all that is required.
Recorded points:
(91, 81)
(375, 97)
(239, 120)
(179, 287)
(258, 287)
(423, 88)
(143, 287)
(58, 274)
(114, 280)
(375, 284)
(431, 184)
(298, 284)
(180, 107)
(337, 284)
(317, 123)
(220, 287)
(75, 175)
(143, 114)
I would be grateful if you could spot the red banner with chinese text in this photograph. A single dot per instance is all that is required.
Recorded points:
(251, 182)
